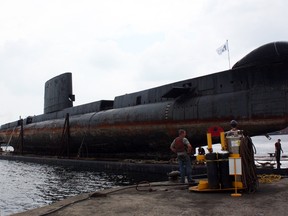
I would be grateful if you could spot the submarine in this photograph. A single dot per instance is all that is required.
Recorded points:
(143, 124)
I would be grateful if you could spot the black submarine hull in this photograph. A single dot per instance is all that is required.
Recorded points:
(144, 123)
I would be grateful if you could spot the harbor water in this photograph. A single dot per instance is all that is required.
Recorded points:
(265, 147)
(25, 185)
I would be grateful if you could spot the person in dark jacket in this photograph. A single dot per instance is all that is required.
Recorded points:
(278, 150)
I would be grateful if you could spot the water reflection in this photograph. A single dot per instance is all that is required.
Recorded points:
(27, 185)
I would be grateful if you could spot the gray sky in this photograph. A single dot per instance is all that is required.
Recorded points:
(114, 47)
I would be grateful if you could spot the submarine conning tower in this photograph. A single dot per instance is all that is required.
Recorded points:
(58, 93)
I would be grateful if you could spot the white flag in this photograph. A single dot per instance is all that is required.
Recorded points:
(222, 49)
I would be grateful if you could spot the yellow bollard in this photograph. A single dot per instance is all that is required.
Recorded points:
(209, 141)
(223, 141)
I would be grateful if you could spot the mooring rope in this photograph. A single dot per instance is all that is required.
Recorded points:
(249, 176)
(269, 178)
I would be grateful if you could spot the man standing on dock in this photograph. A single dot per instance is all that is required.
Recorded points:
(278, 150)
(182, 147)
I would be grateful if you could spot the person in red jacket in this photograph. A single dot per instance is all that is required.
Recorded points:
(182, 147)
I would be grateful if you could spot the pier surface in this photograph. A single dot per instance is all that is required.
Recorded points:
(166, 198)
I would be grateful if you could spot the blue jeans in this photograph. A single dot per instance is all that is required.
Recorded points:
(185, 168)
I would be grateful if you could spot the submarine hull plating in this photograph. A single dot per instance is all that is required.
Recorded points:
(143, 124)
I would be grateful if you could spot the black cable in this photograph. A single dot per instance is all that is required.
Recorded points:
(100, 194)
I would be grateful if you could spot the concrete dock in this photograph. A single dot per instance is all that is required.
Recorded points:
(163, 198)
(167, 198)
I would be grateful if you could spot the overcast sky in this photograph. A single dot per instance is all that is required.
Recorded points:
(114, 47)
